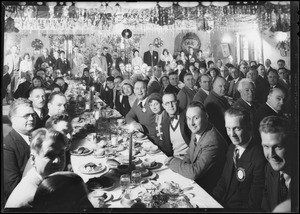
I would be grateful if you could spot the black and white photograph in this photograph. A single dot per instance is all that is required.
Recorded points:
(150, 106)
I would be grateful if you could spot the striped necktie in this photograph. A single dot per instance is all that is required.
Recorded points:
(235, 156)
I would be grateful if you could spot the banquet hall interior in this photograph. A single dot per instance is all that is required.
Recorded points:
(221, 34)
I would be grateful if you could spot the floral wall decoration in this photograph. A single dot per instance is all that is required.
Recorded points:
(158, 42)
(37, 44)
(57, 42)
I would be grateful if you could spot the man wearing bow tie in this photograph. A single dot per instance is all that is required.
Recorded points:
(63, 64)
(278, 146)
(176, 134)
(242, 180)
(205, 156)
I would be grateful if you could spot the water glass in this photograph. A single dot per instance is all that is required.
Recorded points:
(124, 181)
(136, 177)
(147, 199)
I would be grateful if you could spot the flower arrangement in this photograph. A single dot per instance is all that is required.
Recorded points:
(37, 44)
(158, 42)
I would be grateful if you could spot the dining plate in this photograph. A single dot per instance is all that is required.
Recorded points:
(89, 170)
(151, 176)
(99, 156)
(81, 151)
(106, 196)
(154, 152)
(155, 166)
(101, 183)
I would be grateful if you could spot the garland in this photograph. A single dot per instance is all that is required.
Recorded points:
(37, 44)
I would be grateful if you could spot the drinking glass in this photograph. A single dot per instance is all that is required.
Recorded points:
(124, 182)
(136, 177)
(147, 199)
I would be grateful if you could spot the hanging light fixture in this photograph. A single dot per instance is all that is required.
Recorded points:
(188, 4)
(165, 3)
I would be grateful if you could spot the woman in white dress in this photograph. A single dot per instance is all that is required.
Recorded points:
(136, 60)
(25, 65)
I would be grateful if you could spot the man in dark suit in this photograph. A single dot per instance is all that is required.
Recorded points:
(262, 85)
(278, 147)
(44, 58)
(176, 134)
(38, 98)
(174, 81)
(246, 88)
(151, 56)
(140, 116)
(224, 71)
(205, 157)
(191, 57)
(268, 66)
(216, 105)
(120, 59)
(187, 93)
(154, 84)
(16, 149)
(109, 60)
(56, 105)
(205, 87)
(63, 64)
(242, 181)
(232, 91)
(273, 106)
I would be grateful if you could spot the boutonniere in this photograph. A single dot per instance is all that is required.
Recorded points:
(154, 57)
(144, 109)
(106, 89)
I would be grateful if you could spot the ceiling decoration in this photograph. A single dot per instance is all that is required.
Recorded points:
(105, 16)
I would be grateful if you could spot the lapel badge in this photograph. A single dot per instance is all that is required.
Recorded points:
(240, 174)
(144, 109)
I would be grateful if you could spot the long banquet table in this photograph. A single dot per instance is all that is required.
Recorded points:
(200, 198)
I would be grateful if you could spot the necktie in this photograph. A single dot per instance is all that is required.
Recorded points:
(235, 156)
(30, 138)
(141, 105)
(283, 190)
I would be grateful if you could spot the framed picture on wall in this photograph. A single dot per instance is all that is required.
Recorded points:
(225, 50)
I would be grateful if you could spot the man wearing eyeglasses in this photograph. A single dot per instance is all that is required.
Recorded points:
(176, 133)
(16, 149)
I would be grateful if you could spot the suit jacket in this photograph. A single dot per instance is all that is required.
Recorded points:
(107, 95)
(200, 96)
(232, 91)
(16, 153)
(22, 90)
(23, 194)
(246, 194)
(101, 62)
(122, 106)
(172, 89)
(63, 66)
(146, 119)
(242, 104)
(204, 160)
(150, 60)
(261, 90)
(271, 190)
(109, 63)
(227, 84)
(185, 132)
(153, 86)
(41, 59)
(181, 75)
(189, 59)
(39, 122)
(185, 97)
(118, 60)
(216, 107)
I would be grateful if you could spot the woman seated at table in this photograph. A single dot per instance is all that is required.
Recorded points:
(165, 59)
(127, 97)
(155, 103)
(63, 192)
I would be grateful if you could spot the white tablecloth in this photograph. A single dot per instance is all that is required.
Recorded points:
(202, 198)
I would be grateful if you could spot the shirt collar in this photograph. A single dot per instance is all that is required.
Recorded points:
(272, 108)
(143, 101)
(247, 102)
(236, 80)
(243, 147)
(207, 92)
